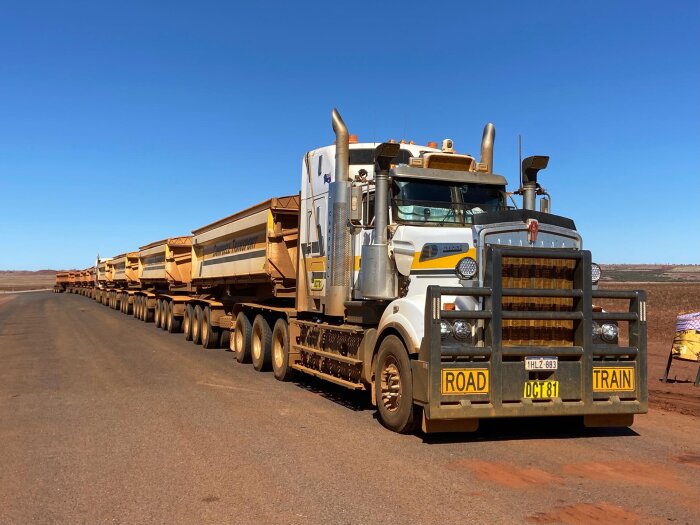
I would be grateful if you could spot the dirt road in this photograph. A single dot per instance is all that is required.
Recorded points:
(107, 419)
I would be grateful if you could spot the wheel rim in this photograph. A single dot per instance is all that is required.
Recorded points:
(186, 322)
(257, 345)
(278, 350)
(205, 330)
(195, 327)
(391, 384)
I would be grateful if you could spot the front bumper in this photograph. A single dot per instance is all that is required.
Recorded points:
(582, 366)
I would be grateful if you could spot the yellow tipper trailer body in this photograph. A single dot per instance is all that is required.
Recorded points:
(257, 247)
(164, 272)
(166, 261)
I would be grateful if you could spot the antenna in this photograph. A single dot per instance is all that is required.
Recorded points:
(520, 159)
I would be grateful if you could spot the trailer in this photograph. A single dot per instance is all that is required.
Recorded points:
(124, 281)
(164, 273)
(62, 281)
(243, 271)
(103, 280)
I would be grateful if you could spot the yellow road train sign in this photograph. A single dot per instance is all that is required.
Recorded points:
(465, 381)
(613, 378)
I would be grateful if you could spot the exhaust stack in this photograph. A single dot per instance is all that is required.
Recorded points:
(377, 271)
(487, 140)
(338, 268)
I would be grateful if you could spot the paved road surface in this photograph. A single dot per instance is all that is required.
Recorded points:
(105, 419)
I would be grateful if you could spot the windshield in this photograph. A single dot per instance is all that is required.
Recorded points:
(438, 203)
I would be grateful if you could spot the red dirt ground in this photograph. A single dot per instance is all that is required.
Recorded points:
(664, 302)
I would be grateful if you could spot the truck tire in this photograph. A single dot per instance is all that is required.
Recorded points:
(157, 312)
(162, 313)
(261, 344)
(224, 337)
(197, 325)
(240, 339)
(210, 333)
(147, 312)
(187, 322)
(117, 300)
(280, 351)
(174, 323)
(135, 307)
(393, 383)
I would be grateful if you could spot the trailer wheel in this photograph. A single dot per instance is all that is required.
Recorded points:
(164, 314)
(156, 312)
(137, 298)
(240, 340)
(210, 333)
(261, 344)
(117, 300)
(197, 325)
(393, 383)
(187, 322)
(147, 312)
(174, 323)
(128, 306)
(280, 351)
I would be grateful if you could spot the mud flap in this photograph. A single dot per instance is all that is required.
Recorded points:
(608, 420)
(449, 425)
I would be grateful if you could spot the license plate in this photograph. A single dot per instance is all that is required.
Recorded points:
(541, 363)
(541, 389)
(460, 381)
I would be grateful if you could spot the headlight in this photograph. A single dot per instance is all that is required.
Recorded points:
(596, 330)
(466, 268)
(608, 332)
(445, 329)
(595, 273)
(462, 330)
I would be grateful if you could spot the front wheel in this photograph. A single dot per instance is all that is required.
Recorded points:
(393, 384)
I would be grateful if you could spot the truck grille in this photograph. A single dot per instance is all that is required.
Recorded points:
(539, 273)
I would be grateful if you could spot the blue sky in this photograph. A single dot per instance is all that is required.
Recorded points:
(122, 123)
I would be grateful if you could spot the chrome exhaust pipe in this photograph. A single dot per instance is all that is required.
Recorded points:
(338, 267)
(342, 148)
(487, 140)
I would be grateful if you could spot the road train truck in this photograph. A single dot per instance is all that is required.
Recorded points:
(402, 270)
